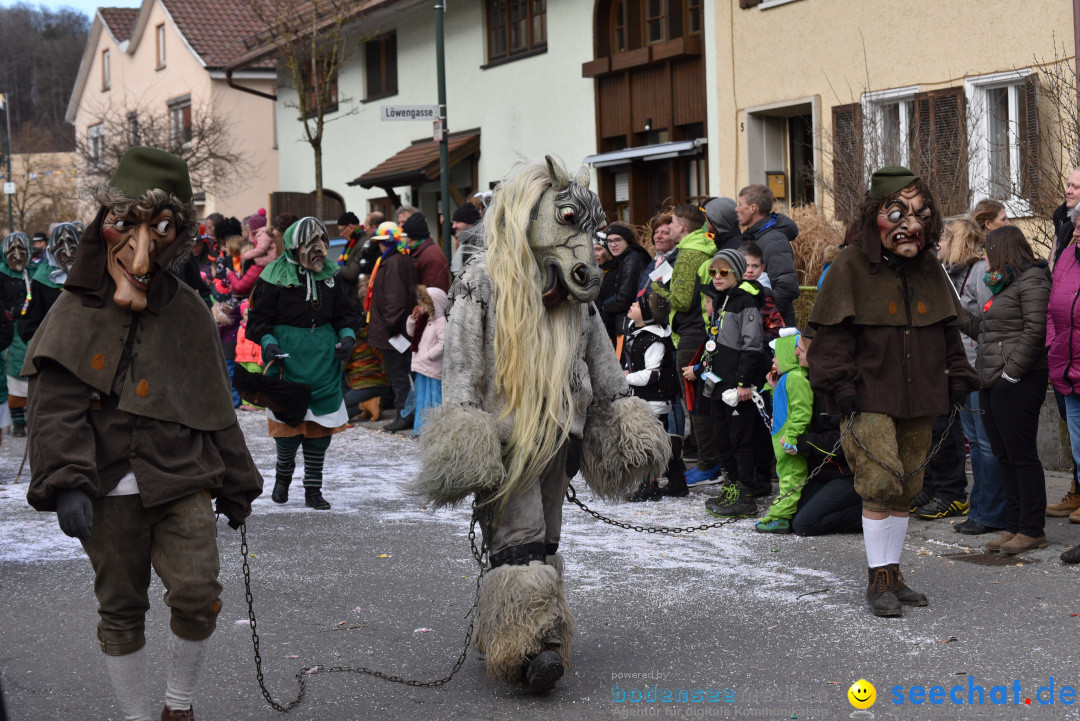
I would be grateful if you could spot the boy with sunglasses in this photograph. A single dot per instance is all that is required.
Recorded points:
(734, 363)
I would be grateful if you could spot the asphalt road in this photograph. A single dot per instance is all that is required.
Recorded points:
(770, 627)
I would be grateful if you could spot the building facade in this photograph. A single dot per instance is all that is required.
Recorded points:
(159, 70)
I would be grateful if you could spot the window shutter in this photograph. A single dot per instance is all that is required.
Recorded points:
(622, 187)
(941, 152)
(1029, 139)
(848, 181)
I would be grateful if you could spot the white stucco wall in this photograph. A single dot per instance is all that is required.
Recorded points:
(530, 107)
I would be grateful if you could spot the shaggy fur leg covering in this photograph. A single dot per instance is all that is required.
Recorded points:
(461, 454)
(522, 611)
(623, 444)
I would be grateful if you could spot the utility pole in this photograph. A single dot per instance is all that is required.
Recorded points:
(444, 143)
(7, 157)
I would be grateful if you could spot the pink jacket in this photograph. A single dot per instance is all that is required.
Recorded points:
(427, 359)
(264, 250)
(1063, 324)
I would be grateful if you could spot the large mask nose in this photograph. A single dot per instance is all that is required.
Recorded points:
(140, 262)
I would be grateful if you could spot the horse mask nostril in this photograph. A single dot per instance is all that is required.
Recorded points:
(580, 273)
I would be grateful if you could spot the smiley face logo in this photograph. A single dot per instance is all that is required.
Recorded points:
(862, 694)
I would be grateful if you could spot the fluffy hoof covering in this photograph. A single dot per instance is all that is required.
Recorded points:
(522, 613)
(460, 455)
(555, 560)
(623, 444)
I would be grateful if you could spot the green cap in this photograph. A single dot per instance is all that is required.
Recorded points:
(142, 169)
(890, 180)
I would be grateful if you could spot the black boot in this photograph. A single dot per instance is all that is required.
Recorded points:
(676, 485)
(649, 490)
(543, 671)
(733, 502)
(881, 600)
(399, 423)
(905, 595)
(313, 499)
(281, 490)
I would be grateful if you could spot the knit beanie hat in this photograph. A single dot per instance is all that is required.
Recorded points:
(734, 259)
(623, 232)
(466, 214)
(721, 214)
(257, 220)
(415, 226)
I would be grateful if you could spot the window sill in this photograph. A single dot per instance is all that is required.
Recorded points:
(519, 56)
(766, 4)
(311, 113)
(380, 96)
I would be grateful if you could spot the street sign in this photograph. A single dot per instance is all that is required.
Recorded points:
(9, 188)
(410, 112)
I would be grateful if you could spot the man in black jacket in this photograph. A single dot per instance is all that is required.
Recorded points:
(773, 233)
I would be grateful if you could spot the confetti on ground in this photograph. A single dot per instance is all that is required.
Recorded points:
(384, 555)
(422, 630)
(293, 656)
(950, 639)
(244, 622)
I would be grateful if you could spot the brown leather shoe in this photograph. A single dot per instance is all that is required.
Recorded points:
(879, 597)
(905, 595)
(1074, 517)
(994, 545)
(1021, 544)
(1065, 507)
(167, 715)
(371, 409)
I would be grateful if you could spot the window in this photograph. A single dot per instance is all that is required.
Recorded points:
(516, 27)
(95, 136)
(133, 129)
(693, 17)
(891, 117)
(655, 21)
(1004, 162)
(618, 24)
(180, 121)
(322, 75)
(380, 61)
(105, 71)
(159, 35)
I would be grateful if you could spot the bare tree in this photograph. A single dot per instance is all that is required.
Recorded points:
(196, 134)
(45, 191)
(312, 45)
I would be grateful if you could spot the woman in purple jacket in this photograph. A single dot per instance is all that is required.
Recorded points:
(1063, 345)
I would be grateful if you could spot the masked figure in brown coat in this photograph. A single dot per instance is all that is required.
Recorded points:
(129, 446)
(887, 352)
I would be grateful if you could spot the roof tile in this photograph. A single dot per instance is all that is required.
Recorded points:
(120, 21)
(216, 29)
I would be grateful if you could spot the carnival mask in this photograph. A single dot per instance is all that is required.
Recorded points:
(560, 236)
(902, 221)
(133, 244)
(311, 244)
(63, 242)
(16, 249)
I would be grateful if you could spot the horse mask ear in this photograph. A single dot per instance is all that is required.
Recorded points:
(582, 177)
(559, 179)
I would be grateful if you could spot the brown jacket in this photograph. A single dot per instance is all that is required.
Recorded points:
(1012, 332)
(889, 337)
(392, 299)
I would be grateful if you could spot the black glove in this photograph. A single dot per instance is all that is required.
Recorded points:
(220, 269)
(221, 508)
(273, 351)
(573, 456)
(848, 405)
(957, 396)
(344, 349)
(75, 513)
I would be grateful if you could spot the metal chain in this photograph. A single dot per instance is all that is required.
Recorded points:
(571, 494)
(479, 553)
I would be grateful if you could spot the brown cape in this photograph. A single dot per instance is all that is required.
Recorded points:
(178, 372)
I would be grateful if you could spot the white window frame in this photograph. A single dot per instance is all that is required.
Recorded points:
(979, 170)
(95, 136)
(159, 36)
(176, 117)
(106, 71)
(873, 106)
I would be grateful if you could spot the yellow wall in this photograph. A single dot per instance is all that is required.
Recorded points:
(815, 49)
(137, 82)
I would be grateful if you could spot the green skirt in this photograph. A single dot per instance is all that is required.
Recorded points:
(16, 353)
(311, 362)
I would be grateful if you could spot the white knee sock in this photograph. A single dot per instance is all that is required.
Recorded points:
(897, 533)
(186, 660)
(876, 538)
(130, 678)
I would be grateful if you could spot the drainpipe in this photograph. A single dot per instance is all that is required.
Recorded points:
(269, 96)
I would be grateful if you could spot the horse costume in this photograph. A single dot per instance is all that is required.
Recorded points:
(532, 390)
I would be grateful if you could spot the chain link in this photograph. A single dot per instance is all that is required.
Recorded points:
(479, 552)
(571, 494)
